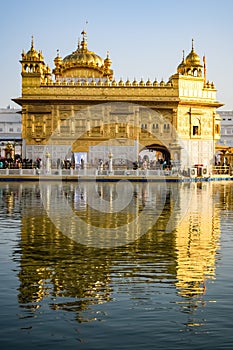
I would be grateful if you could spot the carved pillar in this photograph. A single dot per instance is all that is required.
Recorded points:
(44, 125)
(174, 123)
(72, 126)
(58, 120)
(33, 124)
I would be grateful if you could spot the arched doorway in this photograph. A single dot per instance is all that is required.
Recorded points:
(154, 156)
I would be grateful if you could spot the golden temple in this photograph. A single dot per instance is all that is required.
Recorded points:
(79, 107)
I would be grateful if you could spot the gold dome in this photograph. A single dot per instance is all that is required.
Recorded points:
(83, 58)
(32, 54)
(83, 63)
(193, 59)
(58, 59)
(181, 67)
(191, 65)
(107, 60)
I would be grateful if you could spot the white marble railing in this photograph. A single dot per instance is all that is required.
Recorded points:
(84, 172)
(93, 172)
(90, 172)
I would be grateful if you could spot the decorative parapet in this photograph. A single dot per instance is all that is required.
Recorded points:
(102, 89)
(106, 82)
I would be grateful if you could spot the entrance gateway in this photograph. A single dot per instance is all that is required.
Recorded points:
(125, 156)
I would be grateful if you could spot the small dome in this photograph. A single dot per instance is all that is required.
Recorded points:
(181, 67)
(32, 53)
(191, 65)
(107, 61)
(193, 59)
(58, 59)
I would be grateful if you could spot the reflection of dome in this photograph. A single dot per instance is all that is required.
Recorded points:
(83, 63)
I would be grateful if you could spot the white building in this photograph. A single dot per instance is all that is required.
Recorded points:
(226, 138)
(10, 129)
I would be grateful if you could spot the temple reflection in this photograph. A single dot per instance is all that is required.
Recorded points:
(179, 249)
(197, 242)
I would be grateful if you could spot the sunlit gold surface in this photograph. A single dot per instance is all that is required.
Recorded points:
(197, 242)
(83, 79)
(83, 63)
(190, 248)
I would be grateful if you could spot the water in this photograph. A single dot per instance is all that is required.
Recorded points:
(158, 277)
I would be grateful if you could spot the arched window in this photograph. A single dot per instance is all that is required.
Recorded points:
(31, 68)
(195, 130)
(195, 72)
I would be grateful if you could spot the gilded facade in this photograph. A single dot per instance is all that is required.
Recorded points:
(78, 107)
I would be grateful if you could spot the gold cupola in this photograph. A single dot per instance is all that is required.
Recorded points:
(107, 64)
(191, 65)
(83, 63)
(193, 59)
(181, 67)
(58, 65)
(32, 54)
(34, 69)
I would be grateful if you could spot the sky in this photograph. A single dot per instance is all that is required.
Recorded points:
(145, 38)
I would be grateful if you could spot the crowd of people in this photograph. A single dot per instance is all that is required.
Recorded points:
(18, 163)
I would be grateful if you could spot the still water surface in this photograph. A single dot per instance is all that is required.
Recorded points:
(169, 288)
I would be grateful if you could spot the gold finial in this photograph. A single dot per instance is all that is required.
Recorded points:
(78, 43)
(204, 63)
(107, 60)
(192, 44)
(58, 53)
(32, 42)
(84, 41)
(183, 55)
